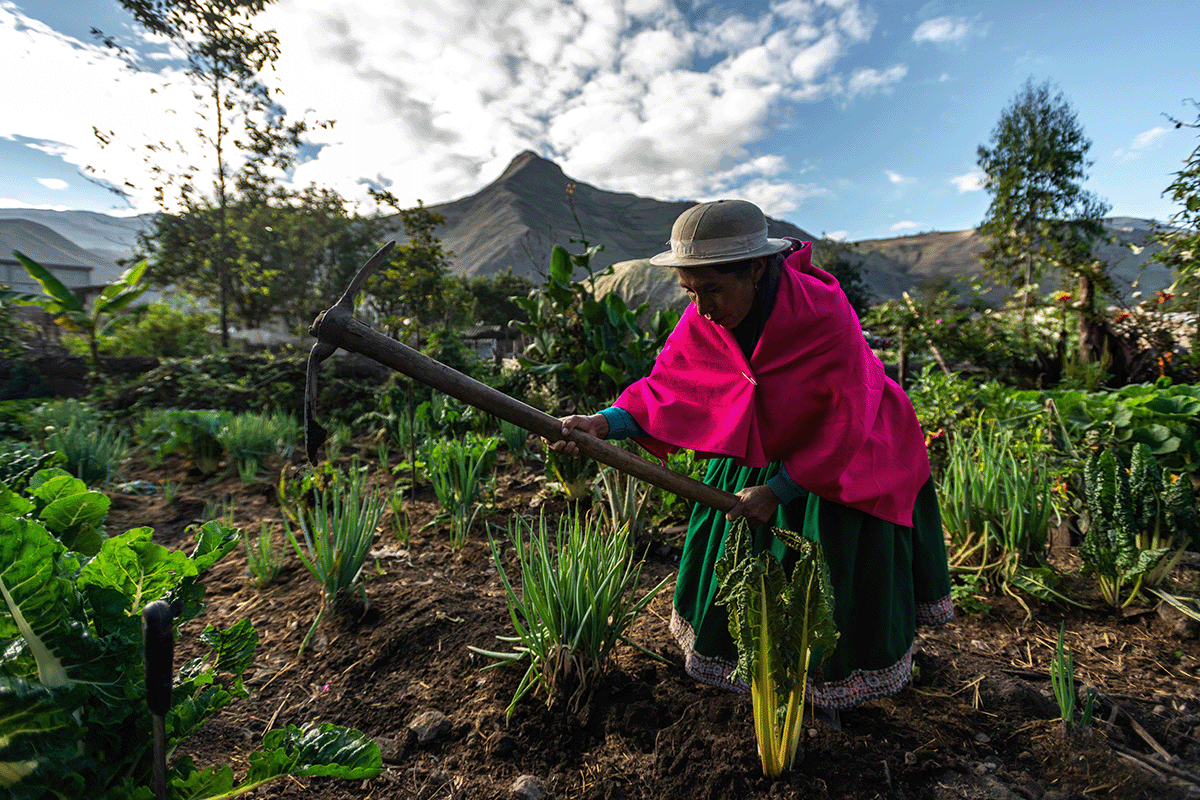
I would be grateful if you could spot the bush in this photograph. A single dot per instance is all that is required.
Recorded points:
(161, 332)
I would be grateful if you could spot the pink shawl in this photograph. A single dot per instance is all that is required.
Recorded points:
(812, 395)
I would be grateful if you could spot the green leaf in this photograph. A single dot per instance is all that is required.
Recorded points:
(136, 568)
(234, 648)
(327, 750)
(53, 288)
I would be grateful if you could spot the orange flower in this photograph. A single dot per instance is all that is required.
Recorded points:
(1124, 315)
(1164, 296)
(1062, 297)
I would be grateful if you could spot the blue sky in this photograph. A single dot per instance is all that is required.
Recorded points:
(851, 118)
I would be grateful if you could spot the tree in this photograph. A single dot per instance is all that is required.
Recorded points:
(492, 297)
(414, 289)
(224, 56)
(294, 252)
(1181, 239)
(1041, 222)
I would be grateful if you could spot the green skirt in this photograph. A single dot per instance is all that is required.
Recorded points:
(886, 579)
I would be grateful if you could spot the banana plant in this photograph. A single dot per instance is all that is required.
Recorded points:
(69, 311)
(778, 622)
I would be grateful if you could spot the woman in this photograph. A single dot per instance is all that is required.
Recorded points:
(768, 374)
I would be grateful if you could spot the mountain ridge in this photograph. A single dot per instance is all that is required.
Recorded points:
(516, 220)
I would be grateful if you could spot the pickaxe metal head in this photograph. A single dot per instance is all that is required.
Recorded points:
(339, 312)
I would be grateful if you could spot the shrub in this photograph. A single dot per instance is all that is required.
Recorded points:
(91, 451)
(160, 331)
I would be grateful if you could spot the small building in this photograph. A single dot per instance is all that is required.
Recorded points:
(71, 264)
(493, 342)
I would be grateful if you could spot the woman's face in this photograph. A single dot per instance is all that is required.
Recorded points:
(724, 299)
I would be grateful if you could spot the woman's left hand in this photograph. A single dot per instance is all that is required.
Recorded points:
(757, 504)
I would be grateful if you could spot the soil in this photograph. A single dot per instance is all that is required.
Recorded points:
(980, 720)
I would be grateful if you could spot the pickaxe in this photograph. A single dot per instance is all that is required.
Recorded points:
(337, 327)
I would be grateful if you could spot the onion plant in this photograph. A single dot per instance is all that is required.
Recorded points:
(337, 533)
(516, 439)
(264, 559)
(780, 622)
(460, 470)
(996, 506)
(252, 440)
(1062, 677)
(623, 500)
(575, 603)
(92, 451)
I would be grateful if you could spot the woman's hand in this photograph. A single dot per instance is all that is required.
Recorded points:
(757, 504)
(595, 424)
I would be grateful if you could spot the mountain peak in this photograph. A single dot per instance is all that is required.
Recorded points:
(530, 162)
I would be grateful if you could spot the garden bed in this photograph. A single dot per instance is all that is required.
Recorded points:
(980, 720)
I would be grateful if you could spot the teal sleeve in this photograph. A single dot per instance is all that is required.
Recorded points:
(785, 488)
(621, 424)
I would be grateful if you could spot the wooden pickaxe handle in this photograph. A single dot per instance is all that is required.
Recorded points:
(337, 327)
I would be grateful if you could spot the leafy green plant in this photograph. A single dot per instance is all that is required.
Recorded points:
(576, 602)
(586, 350)
(72, 688)
(19, 461)
(996, 506)
(779, 622)
(1134, 520)
(63, 505)
(1062, 678)
(338, 531)
(68, 311)
(460, 471)
(264, 559)
(92, 452)
(46, 418)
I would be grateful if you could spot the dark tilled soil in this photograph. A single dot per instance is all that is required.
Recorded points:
(979, 722)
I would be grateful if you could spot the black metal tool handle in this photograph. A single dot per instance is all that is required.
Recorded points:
(158, 651)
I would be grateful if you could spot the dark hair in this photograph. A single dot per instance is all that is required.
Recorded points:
(774, 261)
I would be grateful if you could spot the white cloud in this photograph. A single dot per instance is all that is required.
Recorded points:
(896, 177)
(8, 202)
(970, 182)
(906, 225)
(945, 30)
(838, 236)
(437, 96)
(57, 184)
(1146, 140)
(869, 81)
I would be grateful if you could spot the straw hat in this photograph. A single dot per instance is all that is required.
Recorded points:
(717, 233)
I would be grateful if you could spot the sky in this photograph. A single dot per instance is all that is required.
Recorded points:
(849, 118)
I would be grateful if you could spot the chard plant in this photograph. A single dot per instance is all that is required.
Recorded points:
(72, 688)
(461, 471)
(1135, 520)
(576, 602)
(337, 532)
(779, 622)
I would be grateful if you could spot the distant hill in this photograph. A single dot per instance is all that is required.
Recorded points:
(516, 220)
(71, 264)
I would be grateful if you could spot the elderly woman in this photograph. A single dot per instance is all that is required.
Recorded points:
(768, 375)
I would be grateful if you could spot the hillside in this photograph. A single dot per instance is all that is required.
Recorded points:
(516, 220)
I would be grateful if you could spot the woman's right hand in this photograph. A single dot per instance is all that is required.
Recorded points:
(595, 424)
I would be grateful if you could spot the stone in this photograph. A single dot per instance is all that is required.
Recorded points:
(430, 725)
(528, 787)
